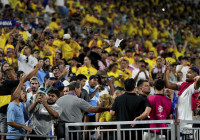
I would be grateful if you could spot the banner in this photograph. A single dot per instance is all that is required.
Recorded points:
(9, 23)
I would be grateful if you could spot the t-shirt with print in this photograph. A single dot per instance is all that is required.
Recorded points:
(93, 101)
(41, 120)
(161, 107)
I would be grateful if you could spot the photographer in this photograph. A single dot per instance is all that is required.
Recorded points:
(105, 83)
(43, 113)
(140, 73)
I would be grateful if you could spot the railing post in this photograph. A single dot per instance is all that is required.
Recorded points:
(66, 131)
(173, 133)
(118, 132)
(178, 129)
(25, 137)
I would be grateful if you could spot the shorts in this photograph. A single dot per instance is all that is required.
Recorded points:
(3, 123)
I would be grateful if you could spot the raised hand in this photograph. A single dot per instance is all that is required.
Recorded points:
(167, 66)
(22, 78)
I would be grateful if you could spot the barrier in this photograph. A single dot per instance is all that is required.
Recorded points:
(120, 131)
(26, 136)
(188, 130)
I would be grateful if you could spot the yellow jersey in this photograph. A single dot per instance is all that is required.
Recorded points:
(86, 71)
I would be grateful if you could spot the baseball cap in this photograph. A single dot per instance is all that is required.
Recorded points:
(159, 57)
(54, 67)
(66, 83)
(93, 77)
(66, 36)
(10, 50)
(34, 79)
(50, 76)
(195, 69)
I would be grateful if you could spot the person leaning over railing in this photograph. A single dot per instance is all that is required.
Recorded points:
(15, 116)
(73, 109)
(160, 108)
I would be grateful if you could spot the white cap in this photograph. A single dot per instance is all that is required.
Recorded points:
(66, 36)
(65, 83)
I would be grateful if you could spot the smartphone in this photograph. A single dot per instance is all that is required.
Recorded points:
(109, 78)
(67, 67)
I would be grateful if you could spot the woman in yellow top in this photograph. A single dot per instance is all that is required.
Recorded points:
(87, 68)
(105, 100)
(116, 75)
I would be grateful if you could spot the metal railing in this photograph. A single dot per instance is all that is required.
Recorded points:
(26, 136)
(188, 130)
(121, 131)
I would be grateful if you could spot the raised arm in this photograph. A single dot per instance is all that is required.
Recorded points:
(185, 44)
(136, 77)
(17, 91)
(33, 73)
(49, 109)
(93, 109)
(166, 79)
(174, 43)
(197, 82)
(17, 48)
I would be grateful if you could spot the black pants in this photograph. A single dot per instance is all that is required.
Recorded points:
(60, 131)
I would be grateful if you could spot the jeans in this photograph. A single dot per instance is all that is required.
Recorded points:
(3, 123)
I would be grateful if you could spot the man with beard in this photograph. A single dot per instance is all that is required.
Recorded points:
(188, 92)
(44, 112)
(151, 60)
(34, 84)
(144, 88)
(15, 116)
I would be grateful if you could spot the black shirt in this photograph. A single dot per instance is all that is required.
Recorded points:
(6, 89)
(84, 95)
(128, 106)
(146, 100)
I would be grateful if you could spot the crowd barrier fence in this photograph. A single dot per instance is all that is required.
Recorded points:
(175, 130)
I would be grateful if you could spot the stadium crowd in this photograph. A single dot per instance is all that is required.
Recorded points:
(97, 61)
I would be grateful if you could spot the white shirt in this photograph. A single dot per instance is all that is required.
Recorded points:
(30, 100)
(60, 2)
(141, 75)
(184, 71)
(24, 66)
(185, 104)
(49, 9)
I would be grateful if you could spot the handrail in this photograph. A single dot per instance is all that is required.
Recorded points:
(120, 122)
(190, 121)
(28, 135)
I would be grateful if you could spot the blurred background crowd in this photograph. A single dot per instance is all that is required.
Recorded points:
(100, 43)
